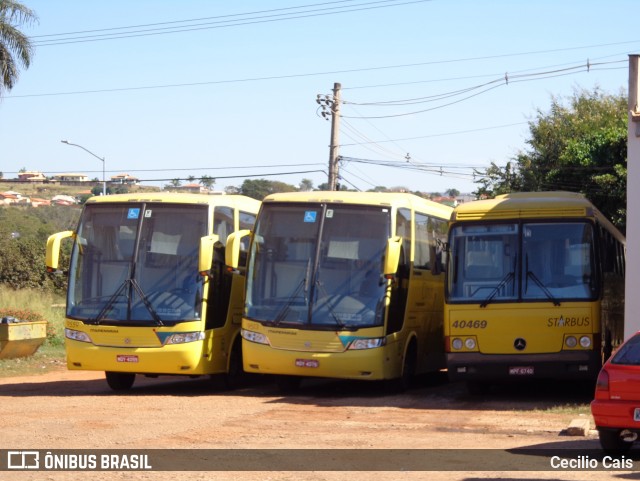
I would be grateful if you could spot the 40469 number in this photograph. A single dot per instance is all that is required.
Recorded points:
(469, 324)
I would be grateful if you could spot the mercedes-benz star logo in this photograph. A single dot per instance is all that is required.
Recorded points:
(520, 344)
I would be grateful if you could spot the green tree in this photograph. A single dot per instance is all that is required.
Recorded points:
(341, 187)
(578, 145)
(23, 236)
(306, 185)
(15, 47)
(260, 188)
(207, 181)
(97, 190)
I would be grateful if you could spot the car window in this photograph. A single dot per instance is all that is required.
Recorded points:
(629, 352)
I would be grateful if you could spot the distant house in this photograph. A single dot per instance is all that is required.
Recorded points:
(36, 202)
(13, 198)
(124, 179)
(31, 176)
(7, 199)
(192, 188)
(71, 178)
(450, 201)
(63, 200)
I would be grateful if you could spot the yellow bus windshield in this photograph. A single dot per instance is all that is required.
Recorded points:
(522, 261)
(318, 266)
(137, 263)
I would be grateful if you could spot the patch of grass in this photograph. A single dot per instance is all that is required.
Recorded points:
(47, 358)
(569, 408)
(50, 355)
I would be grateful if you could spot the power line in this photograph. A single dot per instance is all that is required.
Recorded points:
(488, 86)
(320, 171)
(302, 75)
(442, 134)
(190, 20)
(222, 23)
(231, 167)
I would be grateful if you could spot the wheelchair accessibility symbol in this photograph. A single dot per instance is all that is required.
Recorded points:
(310, 216)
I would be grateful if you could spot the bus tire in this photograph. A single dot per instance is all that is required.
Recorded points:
(235, 377)
(120, 381)
(405, 381)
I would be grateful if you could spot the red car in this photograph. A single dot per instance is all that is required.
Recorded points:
(616, 407)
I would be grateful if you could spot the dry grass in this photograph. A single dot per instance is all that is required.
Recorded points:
(51, 354)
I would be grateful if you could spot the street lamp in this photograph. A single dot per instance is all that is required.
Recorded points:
(104, 182)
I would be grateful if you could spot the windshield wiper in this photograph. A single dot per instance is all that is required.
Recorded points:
(508, 277)
(543, 288)
(119, 292)
(284, 310)
(323, 291)
(539, 283)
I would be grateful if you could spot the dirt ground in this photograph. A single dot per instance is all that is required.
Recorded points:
(76, 410)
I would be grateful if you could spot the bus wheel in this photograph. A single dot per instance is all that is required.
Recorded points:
(235, 377)
(120, 381)
(288, 384)
(405, 380)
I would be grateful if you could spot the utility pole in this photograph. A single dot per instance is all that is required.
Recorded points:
(335, 131)
(333, 105)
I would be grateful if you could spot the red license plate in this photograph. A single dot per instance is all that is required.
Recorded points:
(521, 371)
(307, 363)
(126, 358)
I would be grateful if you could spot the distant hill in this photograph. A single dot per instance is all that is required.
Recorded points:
(48, 191)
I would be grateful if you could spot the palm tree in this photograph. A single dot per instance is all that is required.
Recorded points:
(207, 181)
(15, 47)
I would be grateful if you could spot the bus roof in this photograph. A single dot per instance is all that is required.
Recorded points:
(533, 205)
(523, 204)
(391, 199)
(239, 201)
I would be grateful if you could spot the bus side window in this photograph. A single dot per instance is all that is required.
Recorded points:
(223, 223)
(400, 288)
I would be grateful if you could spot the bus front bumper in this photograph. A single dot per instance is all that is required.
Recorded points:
(180, 359)
(474, 366)
(366, 364)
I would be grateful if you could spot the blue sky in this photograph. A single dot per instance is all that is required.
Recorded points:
(231, 91)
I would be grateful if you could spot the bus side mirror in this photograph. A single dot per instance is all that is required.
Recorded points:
(232, 252)
(205, 253)
(52, 259)
(392, 256)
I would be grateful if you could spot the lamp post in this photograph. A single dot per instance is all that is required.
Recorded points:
(104, 182)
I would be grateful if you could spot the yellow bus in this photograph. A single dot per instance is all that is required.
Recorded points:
(148, 292)
(344, 285)
(535, 289)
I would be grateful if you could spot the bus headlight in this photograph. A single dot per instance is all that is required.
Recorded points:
(571, 342)
(464, 344)
(184, 337)
(585, 341)
(77, 335)
(254, 336)
(367, 343)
